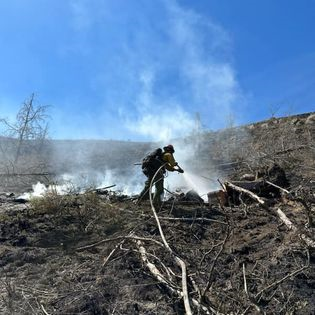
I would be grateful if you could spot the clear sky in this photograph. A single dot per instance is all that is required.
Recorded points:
(142, 69)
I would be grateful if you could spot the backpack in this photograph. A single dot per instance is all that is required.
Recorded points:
(152, 162)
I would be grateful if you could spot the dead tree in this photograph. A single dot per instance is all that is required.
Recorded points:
(30, 127)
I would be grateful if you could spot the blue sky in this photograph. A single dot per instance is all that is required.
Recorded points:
(142, 69)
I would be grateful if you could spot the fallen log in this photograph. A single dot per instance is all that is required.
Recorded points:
(269, 184)
(245, 191)
(254, 186)
(308, 241)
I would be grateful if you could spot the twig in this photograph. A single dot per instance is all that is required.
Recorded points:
(244, 278)
(158, 275)
(197, 289)
(285, 220)
(192, 220)
(90, 223)
(208, 252)
(112, 252)
(274, 185)
(292, 274)
(145, 239)
(170, 192)
(214, 262)
(222, 185)
(43, 309)
(26, 299)
(172, 207)
(101, 189)
(252, 300)
(168, 270)
(154, 270)
(286, 303)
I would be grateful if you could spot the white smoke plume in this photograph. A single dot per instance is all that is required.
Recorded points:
(212, 87)
(162, 89)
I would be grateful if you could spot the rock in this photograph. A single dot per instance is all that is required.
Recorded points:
(192, 195)
(249, 177)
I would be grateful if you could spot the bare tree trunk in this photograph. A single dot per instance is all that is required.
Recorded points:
(26, 121)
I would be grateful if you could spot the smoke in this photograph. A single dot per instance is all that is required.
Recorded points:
(163, 124)
(125, 184)
(168, 64)
(70, 183)
(195, 57)
(205, 83)
(204, 64)
(196, 175)
(40, 190)
(161, 75)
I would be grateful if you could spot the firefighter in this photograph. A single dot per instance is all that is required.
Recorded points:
(166, 158)
(171, 165)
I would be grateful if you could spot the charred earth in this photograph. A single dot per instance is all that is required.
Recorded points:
(99, 253)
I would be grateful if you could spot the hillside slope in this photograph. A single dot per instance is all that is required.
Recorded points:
(102, 254)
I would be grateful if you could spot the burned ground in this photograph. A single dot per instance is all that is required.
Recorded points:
(95, 254)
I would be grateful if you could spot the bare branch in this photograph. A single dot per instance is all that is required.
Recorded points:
(178, 260)
(119, 238)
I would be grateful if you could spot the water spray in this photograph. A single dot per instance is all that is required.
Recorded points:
(191, 181)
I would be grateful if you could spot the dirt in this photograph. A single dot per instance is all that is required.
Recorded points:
(80, 254)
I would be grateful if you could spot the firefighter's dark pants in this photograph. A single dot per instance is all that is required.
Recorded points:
(159, 189)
